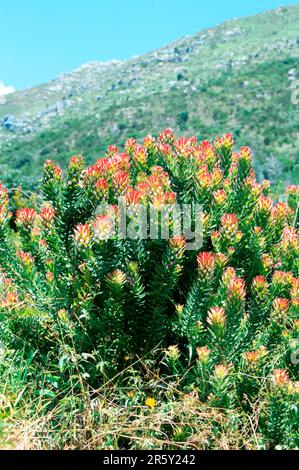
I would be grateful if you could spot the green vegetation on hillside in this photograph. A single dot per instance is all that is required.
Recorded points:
(236, 77)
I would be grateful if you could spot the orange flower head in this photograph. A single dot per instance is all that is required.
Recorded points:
(82, 235)
(216, 317)
(178, 243)
(280, 308)
(102, 186)
(282, 278)
(293, 190)
(229, 225)
(236, 289)
(221, 260)
(206, 263)
(279, 212)
(219, 197)
(265, 204)
(132, 197)
(260, 288)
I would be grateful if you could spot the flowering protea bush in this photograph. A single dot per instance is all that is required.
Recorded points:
(225, 315)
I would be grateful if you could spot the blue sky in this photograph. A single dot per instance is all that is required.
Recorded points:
(40, 39)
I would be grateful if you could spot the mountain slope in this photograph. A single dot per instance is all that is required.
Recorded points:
(235, 77)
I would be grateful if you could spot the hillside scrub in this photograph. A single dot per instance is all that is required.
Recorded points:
(240, 75)
(116, 342)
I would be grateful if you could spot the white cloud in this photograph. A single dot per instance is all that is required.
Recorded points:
(5, 90)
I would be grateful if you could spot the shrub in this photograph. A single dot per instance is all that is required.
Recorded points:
(226, 316)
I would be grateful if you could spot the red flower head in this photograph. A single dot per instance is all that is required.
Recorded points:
(280, 308)
(169, 197)
(265, 204)
(184, 146)
(52, 170)
(149, 142)
(121, 181)
(140, 154)
(221, 371)
(221, 260)
(236, 289)
(102, 187)
(43, 244)
(178, 244)
(282, 278)
(3, 215)
(203, 354)
(245, 154)
(252, 357)
(167, 136)
(219, 197)
(206, 263)
(229, 226)
(76, 162)
(10, 300)
(50, 277)
(165, 149)
(132, 197)
(280, 378)
(47, 214)
(289, 243)
(91, 174)
(25, 217)
(3, 196)
(293, 189)
(130, 145)
(102, 166)
(290, 236)
(259, 288)
(225, 142)
(112, 150)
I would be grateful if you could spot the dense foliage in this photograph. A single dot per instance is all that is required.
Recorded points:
(74, 297)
